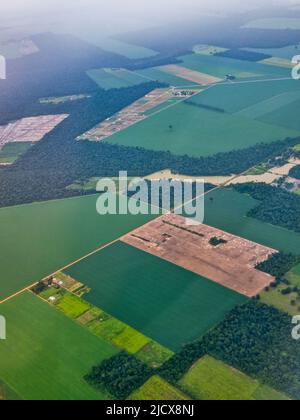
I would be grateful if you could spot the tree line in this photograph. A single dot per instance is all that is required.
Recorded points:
(277, 206)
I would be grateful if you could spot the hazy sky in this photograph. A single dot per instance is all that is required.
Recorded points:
(127, 7)
(115, 16)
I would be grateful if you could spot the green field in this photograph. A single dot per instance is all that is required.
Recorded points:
(72, 306)
(7, 394)
(12, 151)
(286, 116)
(294, 276)
(222, 66)
(157, 389)
(285, 52)
(240, 97)
(125, 49)
(46, 354)
(275, 23)
(163, 301)
(158, 74)
(40, 238)
(154, 355)
(275, 103)
(108, 328)
(208, 49)
(210, 379)
(198, 132)
(275, 298)
(115, 78)
(227, 209)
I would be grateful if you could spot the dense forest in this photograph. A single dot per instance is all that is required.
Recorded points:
(295, 172)
(120, 375)
(58, 160)
(243, 55)
(277, 206)
(255, 339)
(279, 264)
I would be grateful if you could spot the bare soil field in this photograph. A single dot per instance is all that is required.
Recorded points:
(230, 263)
(31, 129)
(167, 174)
(267, 178)
(193, 76)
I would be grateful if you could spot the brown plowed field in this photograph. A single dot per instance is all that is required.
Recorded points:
(231, 263)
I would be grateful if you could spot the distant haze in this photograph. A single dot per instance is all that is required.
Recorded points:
(115, 16)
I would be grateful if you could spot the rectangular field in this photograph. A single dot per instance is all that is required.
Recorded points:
(156, 73)
(12, 151)
(136, 112)
(196, 131)
(115, 78)
(191, 75)
(163, 301)
(157, 389)
(44, 352)
(227, 210)
(210, 379)
(285, 116)
(31, 129)
(222, 67)
(231, 263)
(238, 97)
(40, 238)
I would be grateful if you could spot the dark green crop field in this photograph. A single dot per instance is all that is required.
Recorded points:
(163, 301)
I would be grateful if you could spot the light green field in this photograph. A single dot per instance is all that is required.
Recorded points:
(170, 305)
(62, 99)
(226, 209)
(164, 77)
(115, 78)
(157, 389)
(286, 116)
(223, 66)
(12, 151)
(40, 238)
(275, 298)
(274, 23)
(154, 355)
(198, 132)
(294, 276)
(210, 379)
(278, 61)
(72, 306)
(7, 394)
(297, 148)
(275, 106)
(42, 359)
(240, 97)
(208, 49)
(285, 52)
(125, 49)
(110, 329)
